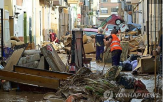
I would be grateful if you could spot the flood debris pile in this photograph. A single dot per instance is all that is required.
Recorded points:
(30, 59)
(86, 86)
(57, 46)
(88, 42)
(15, 41)
(134, 55)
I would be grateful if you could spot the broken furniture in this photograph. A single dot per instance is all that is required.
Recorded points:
(35, 76)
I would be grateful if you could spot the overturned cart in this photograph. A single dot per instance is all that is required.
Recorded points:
(22, 69)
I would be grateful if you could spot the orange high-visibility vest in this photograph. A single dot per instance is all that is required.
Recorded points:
(115, 44)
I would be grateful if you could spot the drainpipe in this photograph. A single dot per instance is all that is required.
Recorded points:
(151, 31)
(147, 27)
(2, 45)
(161, 17)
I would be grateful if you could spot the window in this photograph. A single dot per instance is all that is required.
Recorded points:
(114, 9)
(114, 1)
(104, 10)
(128, 8)
(104, 0)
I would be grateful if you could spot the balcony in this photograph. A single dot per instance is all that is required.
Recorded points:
(128, 1)
(72, 1)
(56, 2)
(134, 1)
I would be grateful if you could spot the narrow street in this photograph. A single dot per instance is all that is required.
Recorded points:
(14, 96)
(81, 50)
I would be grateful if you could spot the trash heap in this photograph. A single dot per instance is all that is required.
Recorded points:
(30, 59)
(88, 42)
(57, 46)
(15, 41)
(86, 86)
(134, 55)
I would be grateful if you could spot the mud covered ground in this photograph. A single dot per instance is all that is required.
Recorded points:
(14, 96)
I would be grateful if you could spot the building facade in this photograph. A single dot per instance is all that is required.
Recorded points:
(107, 7)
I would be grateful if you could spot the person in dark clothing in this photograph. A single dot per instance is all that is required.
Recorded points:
(115, 29)
(159, 51)
(99, 43)
(115, 48)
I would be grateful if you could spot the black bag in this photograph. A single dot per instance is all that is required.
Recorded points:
(127, 82)
(126, 67)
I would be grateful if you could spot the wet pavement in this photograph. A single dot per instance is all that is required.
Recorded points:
(14, 96)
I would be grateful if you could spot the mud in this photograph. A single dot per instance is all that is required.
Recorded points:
(14, 96)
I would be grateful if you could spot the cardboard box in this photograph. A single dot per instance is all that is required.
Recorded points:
(89, 48)
(85, 39)
(89, 39)
(147, 65)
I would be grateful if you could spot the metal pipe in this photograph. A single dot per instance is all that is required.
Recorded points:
(147, 27)
(2, 34)
(161, 16)
(155, 46)
(151, 31)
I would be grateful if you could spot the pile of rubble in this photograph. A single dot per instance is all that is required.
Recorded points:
(39, 58)
(134, 55)
(86, 86)
(88, 42)
(15, 41)
(57, 46)
(30, 59)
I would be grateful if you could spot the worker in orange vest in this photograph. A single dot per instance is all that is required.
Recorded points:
(115, 48)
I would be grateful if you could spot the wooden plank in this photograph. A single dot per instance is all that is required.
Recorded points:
(52, 83)
(134, 49)
(134, 42)
(44, 73)
(145, 52)
(53, 59)
(14, 59)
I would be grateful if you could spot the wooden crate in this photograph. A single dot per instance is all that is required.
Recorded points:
(147, 65)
